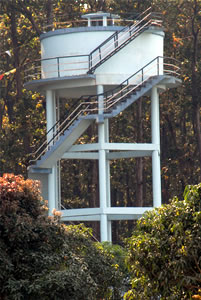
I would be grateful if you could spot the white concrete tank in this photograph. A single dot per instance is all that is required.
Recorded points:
(74, 61)
(66, 52)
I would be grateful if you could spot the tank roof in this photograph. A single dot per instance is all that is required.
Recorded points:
(99, 14)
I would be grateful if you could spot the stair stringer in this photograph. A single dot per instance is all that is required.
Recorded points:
(148, 85)
(65, 141)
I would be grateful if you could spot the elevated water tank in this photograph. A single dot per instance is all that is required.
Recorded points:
(69, 53)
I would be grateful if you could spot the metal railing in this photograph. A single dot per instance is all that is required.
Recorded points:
(121, 38)
(89, 105)
(87, 63)
(64, 22)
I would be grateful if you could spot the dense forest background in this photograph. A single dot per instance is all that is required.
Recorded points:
(22, 113)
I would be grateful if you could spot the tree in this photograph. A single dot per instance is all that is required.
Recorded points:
(42, 259)
(22, 113)
(165, 250)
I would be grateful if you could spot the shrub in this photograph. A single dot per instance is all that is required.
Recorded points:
(165, 250)
(43, 259)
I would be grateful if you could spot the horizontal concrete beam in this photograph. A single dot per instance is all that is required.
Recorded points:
(80, 155)
(115, 147)
(128, 154)
(110, 156)
(113, 213)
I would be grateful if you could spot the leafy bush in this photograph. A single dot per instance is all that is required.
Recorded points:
(165, 250)
(42, 259)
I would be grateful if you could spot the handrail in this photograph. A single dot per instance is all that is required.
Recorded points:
(77, 64)
(116, 35)
(123, 29)
(156, 67)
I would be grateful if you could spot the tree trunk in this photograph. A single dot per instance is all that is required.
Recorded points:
(195, 81)
(49, 12)
(16, 53)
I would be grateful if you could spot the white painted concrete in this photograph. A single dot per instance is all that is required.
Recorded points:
(102, 169)
(155, 130)
(138, 53)
(52, 190)
(50, 112)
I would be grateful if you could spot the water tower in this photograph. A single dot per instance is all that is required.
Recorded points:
(105, 68)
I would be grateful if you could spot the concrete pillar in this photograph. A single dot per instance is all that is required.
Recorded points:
(106, 124)
(52, 177)
(50, 112)
(108, 189)
(52, 190)
(102, 169)
(57, 104)
(155, 130)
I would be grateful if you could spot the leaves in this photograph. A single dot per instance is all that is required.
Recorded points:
(164, 250)
(42, 259)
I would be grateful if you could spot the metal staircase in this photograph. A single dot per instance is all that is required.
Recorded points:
(65, 132)
(120, 39)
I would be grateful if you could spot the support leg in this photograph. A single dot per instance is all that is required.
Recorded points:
(103, 186)
(155, 128)
(102, 170)
(52, 177)
(52, 193)
(50, 112)
(109, 223)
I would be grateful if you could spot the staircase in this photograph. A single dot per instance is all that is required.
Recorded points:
(120, 39)
(65, 132)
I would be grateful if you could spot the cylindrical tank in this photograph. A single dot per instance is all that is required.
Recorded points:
(69, 49)
(69, 53)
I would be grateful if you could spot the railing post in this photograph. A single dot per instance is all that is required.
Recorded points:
(127, 83)
(121, 90)
(116, 40)
(142, 75)
(130, 30)
(100, 54)
(158, 65)
(58, 67)
(90, 61)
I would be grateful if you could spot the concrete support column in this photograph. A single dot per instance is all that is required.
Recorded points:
(57, 105)
(106, 124)
(102, 169)
(155, 130)
(108, 190)
(52, 177)
(52, 190)
(50, 112)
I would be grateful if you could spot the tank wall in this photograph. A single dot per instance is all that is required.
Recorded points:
(69, 44)
(78, 45)
(132, 58)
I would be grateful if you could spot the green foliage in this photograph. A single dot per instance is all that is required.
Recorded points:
(165, 250)
(118, 253)
(22, 115)
(42, 259)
